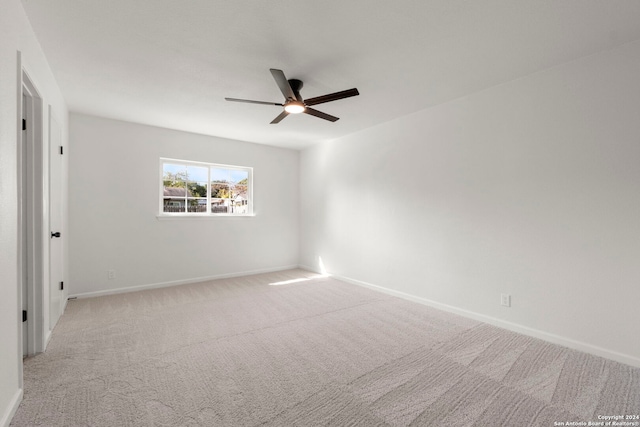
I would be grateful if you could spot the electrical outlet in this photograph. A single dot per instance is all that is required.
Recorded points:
(111, 274)
(505, 300)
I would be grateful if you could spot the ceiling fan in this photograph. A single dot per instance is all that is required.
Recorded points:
(294, 103)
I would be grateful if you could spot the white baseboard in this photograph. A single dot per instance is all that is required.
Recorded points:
(178, 282)
(11, 409)
(521, 329)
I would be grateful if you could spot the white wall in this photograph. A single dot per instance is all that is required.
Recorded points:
(113, 203)
(17, 35)
(530, 188)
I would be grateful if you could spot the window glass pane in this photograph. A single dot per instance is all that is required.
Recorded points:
(197, 205)
(171, 204)
(174, 187)
(239, 191)
(220, 191)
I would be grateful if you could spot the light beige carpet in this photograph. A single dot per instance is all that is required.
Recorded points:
(242, 352)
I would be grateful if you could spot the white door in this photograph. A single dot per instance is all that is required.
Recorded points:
(56, 253)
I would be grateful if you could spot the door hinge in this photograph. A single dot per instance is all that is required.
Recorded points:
(61, 150)
(24, 124)
(24, 315)
(62, 286)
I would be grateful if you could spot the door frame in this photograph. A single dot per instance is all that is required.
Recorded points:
(32, 202)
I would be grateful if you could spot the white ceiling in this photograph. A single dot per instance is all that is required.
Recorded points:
(171, 63)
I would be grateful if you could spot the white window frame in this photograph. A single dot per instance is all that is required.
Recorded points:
(208, 213)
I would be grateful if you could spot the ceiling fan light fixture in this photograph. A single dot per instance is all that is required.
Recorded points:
(294, 107)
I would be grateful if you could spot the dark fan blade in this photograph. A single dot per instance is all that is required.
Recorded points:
(320, 114)
(283, 84)
(279, 118)
(332, 97)
(253, 102)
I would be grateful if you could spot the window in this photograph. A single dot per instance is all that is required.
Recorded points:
(196, 188)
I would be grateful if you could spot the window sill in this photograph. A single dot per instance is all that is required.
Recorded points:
(170, 217)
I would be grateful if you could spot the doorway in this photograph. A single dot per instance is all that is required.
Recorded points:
(30, 217)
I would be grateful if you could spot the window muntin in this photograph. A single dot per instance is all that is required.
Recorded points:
(196, 188)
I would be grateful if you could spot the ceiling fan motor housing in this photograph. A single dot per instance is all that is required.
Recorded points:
(296, 86)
